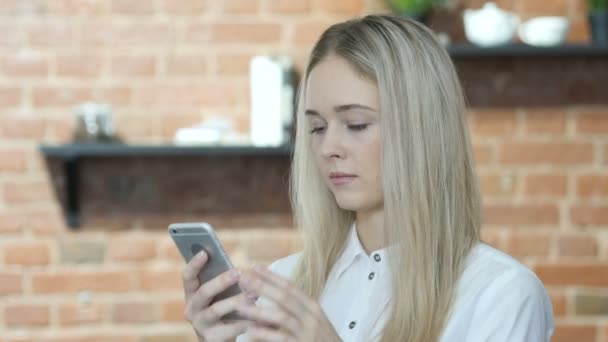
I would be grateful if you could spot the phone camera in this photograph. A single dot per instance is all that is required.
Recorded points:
(174, 231)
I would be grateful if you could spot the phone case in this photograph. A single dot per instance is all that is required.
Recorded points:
(191, 238)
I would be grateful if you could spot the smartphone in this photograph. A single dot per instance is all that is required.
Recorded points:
(191, 238)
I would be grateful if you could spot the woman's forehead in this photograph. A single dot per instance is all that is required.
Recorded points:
(334, 82)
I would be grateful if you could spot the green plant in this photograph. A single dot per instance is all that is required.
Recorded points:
(598, 5)
(415, 6)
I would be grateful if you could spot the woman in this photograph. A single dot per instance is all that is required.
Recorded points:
(385, 194)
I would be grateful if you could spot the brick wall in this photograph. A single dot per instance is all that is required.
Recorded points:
(169, 63)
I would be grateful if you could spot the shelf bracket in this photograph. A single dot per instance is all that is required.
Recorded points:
(71, 171)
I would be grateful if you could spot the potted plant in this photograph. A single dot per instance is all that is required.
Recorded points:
(415, 9)
(598, 21)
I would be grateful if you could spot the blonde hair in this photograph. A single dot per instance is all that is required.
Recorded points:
(431, 196)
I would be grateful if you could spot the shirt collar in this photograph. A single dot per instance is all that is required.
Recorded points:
(353, 250)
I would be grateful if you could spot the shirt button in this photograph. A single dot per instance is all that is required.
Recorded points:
(377, 257)
(371, 276)
(352, 324)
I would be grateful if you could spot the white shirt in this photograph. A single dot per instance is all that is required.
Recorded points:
(497, 298)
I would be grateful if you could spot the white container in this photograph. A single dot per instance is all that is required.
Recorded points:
(544, 31)
(490, 25)
(271, 100)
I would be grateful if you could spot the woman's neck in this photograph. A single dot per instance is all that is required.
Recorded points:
(370, 228)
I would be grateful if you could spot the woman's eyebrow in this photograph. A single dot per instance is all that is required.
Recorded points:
(350, 106)
(342, 108)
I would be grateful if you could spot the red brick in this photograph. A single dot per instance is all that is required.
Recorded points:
(54, 96)
(161, 280)
(592, 185)
(233, 64)
(74, 281)
(495, 184)
(128, 34)
(263, 247)
(573, 274)
(12, 160)
(524, 244)
(20, 7)
(184, 7)
(578, 245)
(18, 127)
(83, 66)
(27, 253)
(91, 337)
(31, 192)
(168, 250)
(240, 6)
(11, 283)
(548, 184)
(493, 122)
(571, 333)
(344, 7)
(134, 312)
(197, 33)
(129, 66)
(546, 153)
(24, 315)
(521, 215)
(46, 222)
(579, 29)
(483, 154)
(558, 299)
(131, 249)
(538, 8)
(246, 33)
(51, 34)
(592, 122)
(25, 65)
(79, 314)
(191, 65)
(69, 96)
(289, 6)
(132, 7)
(200, 94)
(308, 32)
(541, 121)
(77, 7)
(10, 96)
(9, 37)
(171, 123)
(589, 215)
(59, 130)
(139, 127)
(173, 310)
(493, 238)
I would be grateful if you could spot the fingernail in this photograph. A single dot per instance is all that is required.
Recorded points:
(251, 298)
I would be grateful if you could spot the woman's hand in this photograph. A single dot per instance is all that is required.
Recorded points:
(205, 318)
(295, 317)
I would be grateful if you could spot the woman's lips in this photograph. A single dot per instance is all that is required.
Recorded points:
(337, 178)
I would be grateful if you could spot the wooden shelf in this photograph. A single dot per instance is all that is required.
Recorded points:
(523, 50)
(72, 154)
(91, 150)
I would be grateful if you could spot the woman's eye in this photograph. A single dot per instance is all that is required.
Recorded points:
(357, 127)
(317, 130)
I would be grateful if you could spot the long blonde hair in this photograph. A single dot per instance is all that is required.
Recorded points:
(431, 196)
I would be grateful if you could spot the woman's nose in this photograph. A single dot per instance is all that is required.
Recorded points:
(331, 146)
